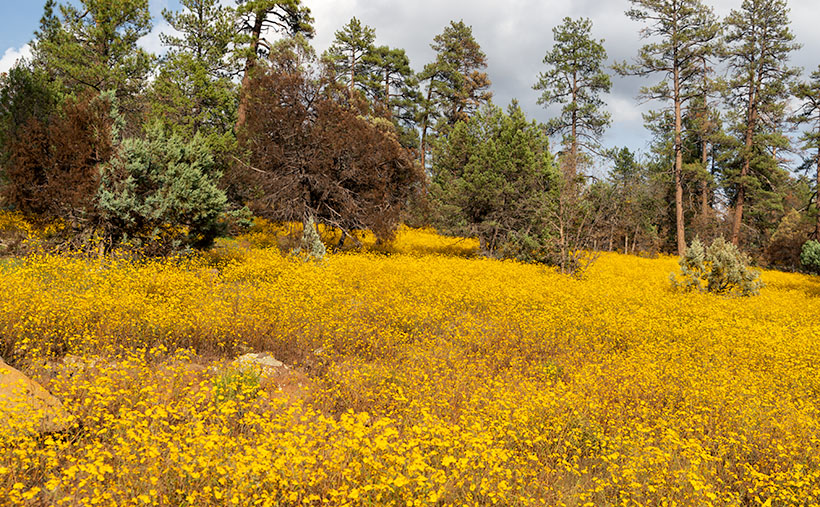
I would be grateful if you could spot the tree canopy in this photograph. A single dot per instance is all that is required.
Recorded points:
(575, 78)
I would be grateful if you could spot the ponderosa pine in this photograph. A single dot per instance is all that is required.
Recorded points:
(575, 78)
(759, 43)
(681, 31)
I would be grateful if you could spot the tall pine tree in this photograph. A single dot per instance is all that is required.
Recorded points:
(93, 45)
(705, 124)
(256, 19)
(575, 78)
(681, 31)
(809, 116)
(194, 90)
(759, 42)
(394, 89)
(456, 82)
(351, 46)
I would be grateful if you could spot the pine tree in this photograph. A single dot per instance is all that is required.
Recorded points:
(93, 45)
(352, 45)
(494, 178)
(49, 22)
(26, 94)
(194, 90)
(53, 165)
(809, 115)
(308, 154)
(704, 122)
(683, 29)
(394, 89)
(759, 42)
(575, 78)
(456, 83)
(637, 205)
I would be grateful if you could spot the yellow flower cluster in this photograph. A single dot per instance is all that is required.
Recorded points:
(17, 233)
(408, 241)
(414, 378)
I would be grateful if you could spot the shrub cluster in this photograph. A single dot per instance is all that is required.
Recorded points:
(810, 255)
(719, 268)
(65, 160)
(159, 180)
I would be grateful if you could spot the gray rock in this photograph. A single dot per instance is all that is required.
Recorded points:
(264, 361)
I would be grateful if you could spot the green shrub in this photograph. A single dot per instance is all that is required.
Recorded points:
(720, 269)
(240, 384)
(810, 255)
(161, 189)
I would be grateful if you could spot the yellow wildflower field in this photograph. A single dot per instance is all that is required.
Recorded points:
(417, 375)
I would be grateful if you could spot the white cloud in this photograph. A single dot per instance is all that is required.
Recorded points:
(151, 42)
(11, 56)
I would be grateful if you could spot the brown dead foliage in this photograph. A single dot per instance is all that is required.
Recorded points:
(309, 152)
(53, 167)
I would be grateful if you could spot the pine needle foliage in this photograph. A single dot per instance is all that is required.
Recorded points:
(158, 182)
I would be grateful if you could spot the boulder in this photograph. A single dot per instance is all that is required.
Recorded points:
(26, 408)
(266, 362)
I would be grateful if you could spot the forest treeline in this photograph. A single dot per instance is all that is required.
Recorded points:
(241, 117)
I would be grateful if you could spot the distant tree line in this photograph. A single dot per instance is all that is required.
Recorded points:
(240, 116)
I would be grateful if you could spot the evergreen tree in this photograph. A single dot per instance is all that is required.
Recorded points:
(702, 134)
(394, 89)
(194, 91)
(49, 22)
(352, 45)
(704, 125)
(759, 42)
(26, 94)
(575, 78)
(809, 115)
(456, 83)
(638, 205)
(683, 29)
(495, 179)
(93, 45)
(308, 154)
(52, 169)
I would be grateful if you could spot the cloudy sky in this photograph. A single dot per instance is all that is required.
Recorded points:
(515, 38)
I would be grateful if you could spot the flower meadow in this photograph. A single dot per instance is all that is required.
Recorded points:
(417, 374)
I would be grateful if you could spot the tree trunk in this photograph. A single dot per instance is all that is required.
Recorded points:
(817, 198)
(250, 63)
(573, 166)
(611, 238)
(681, 236)
(747, 162)
(424, 126)
(352, 75)
(704, 185)
(704, 153)
(387, 93)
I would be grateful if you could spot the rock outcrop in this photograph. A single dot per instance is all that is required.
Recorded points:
(26, 407)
